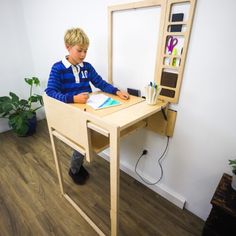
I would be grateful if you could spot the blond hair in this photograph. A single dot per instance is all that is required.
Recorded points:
(76, 36)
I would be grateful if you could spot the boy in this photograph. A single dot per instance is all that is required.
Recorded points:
(69, 82)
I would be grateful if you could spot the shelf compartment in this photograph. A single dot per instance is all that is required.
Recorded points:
(101, 142)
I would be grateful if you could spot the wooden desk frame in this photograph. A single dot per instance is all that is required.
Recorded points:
(130, 6)
(87, 131)
(170, 88)
(76, 127)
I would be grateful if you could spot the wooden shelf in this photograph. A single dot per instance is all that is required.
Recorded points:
(101, 142)
(177, 23)
(176, 68)
(176, 34)
(182, 35)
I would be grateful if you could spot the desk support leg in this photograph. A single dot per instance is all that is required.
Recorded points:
(114, 179)
(57, 162)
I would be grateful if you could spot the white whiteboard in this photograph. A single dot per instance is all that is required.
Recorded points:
(135, 40)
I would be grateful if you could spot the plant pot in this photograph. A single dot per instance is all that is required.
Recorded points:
(32, 124)
(233, 183)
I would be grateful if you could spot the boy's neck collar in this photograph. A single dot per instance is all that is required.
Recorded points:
(67, 64)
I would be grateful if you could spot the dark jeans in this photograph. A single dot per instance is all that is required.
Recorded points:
(77, 160)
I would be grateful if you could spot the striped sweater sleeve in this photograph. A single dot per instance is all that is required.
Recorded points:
(54, 86)
(98, 82)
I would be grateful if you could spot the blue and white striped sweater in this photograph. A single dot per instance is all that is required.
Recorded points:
(62, 83)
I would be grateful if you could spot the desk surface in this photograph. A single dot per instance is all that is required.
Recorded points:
(109, 110)
(129, 112)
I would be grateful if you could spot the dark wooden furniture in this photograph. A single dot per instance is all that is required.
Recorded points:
(222, 218)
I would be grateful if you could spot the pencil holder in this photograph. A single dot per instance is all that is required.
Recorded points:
(152, 94)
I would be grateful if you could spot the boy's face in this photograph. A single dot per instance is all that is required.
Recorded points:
(77, 54)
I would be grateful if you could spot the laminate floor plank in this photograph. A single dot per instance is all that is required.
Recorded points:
(31, 203)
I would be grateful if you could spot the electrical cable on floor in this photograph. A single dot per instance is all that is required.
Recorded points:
(159, 162)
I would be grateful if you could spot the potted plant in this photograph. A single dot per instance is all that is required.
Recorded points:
(232, 163)
(20, 113)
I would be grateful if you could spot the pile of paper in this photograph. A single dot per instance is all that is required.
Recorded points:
(99, 101)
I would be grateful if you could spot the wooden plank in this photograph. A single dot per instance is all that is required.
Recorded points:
(62, 117)
(114, 179)
(101, 142)
(171, 95)
(133, 114)
(57, 162)
(106, 111)
(98, 129)
(171, 117)
(157, 122)
(69, 142)
(129, 6)
(135, 5)
(83, 214)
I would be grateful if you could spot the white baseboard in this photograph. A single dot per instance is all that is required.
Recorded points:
(161, 189)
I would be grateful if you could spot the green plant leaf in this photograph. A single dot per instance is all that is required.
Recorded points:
(36, 81)
(33, 99)
(15, 121)
(14, 100)
(40, 99)
(32, 81)
(29, 81)
(7, 107)
(22, 131)
(18, 122)
(4, 115)
(5, 99)
(36, 98)
(23, 102)
(232, 162)
(14, 97)
(29, 114)
(17, 110)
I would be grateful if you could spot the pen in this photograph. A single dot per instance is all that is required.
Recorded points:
(154, 95)
(153, 84)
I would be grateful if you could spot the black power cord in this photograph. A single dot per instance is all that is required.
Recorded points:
(159, 163)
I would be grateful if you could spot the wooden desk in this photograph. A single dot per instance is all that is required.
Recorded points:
(87, 131)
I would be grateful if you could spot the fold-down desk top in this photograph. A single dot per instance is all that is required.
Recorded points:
(128, 113)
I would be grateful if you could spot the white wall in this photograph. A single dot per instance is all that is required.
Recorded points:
(16, 61)
(204, 137)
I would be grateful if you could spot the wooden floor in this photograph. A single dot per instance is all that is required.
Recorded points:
(31, 203)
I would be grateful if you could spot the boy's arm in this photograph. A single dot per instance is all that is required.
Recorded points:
(122, 94)
(98, 82)
(54, 87)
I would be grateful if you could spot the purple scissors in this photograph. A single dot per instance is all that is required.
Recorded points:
(172, 42)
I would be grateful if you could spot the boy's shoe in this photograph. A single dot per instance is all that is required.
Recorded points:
(80, 177)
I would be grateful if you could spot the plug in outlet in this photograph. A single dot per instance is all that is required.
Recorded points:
(144, 152)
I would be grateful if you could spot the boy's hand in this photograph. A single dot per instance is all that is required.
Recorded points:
(122, 94)
(81, 98)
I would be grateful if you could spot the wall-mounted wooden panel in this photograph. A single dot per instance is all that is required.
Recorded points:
(177, 28)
